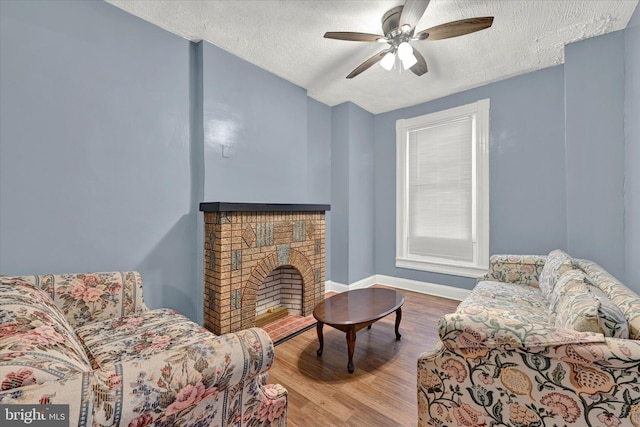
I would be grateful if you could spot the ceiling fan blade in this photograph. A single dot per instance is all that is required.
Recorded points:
(455, 28)
(368, 63)
(412, 12)
(356, 37)
(421, 66)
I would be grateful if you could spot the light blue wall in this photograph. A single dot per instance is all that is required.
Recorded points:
(594, 107)
(95, 166)
(352, 198)
(319, 164)
(361, 195)
(527, 179)
(263, 120)
(196, 85)
(319, 150)
(340, 120)
(632, 150)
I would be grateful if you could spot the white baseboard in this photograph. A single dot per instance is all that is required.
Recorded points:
(444, 291)
(330, 286)
(435, 289)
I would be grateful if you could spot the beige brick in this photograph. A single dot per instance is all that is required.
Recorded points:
(259, 264)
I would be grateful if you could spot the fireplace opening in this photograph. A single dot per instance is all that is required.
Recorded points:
(279, 295)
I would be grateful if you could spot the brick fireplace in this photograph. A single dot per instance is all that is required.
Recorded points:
(244, 244)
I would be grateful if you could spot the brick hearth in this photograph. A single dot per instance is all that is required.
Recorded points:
(244, 243)
(287, 325)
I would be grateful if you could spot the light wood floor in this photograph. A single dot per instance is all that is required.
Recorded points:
(381, 391)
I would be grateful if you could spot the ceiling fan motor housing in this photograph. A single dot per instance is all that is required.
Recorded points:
(391, 22)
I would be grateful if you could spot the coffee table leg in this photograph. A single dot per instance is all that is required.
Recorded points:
(351, 344)
(319, 326)
(398, 319)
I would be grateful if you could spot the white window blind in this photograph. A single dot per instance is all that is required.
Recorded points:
(442, 212)
(441, 190)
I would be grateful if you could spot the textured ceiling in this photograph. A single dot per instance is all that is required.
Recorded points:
(286, 38)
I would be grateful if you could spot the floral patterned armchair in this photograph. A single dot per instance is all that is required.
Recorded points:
(89, 341)
(540, 341)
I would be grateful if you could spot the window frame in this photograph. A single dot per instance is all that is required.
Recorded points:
(479, 110)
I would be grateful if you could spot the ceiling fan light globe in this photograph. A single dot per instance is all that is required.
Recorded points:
(387, 61)
(409, 62)
(405, 51)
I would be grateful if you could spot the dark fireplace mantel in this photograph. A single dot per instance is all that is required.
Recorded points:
(260, 207)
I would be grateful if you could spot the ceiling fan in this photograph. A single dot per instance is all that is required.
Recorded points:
(398, 25)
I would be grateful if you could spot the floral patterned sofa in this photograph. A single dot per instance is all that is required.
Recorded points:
(89, 341)
(540, 341)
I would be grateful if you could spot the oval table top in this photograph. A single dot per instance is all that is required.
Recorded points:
(358, 306)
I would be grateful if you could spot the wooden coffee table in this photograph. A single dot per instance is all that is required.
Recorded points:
(353, 310)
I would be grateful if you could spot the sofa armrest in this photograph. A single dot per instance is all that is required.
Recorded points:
(90, 297)
(508, 373)
(169, 385)
(477, 333)
(521, 269)
(219, 361)
(214, 378)
(570, 384)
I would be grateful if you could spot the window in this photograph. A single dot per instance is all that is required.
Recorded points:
(442, 221)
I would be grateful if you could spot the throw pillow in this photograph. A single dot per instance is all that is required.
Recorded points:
(571, 281)
(558, 262)
(585, 308)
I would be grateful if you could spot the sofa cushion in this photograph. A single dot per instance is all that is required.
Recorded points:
(582, 307)
(558, 262)
(512, 292)
(37, 344)
(85, 297)
(566, 283)
(139, 335)
(503, 299)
